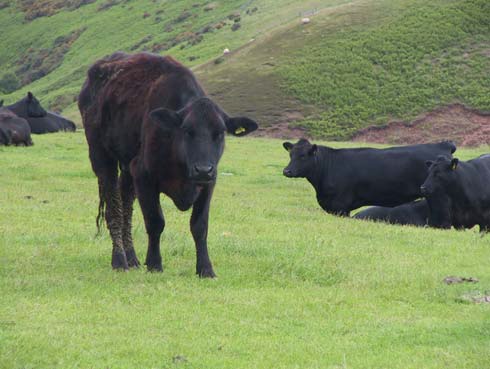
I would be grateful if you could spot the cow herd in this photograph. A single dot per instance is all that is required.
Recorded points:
(394, 180)
(151, 129)
(26, 116)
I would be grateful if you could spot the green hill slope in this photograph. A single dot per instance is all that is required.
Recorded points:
(362, 64)
(356, 64)
(50, 54)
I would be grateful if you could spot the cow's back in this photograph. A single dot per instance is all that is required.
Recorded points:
(381, 177)
(125, 82)
(119, 92)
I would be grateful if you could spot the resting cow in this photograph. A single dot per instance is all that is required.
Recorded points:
(14, 130)
(40, 120)
(148, 116)
(346, 179)
(413, 213)
(463, 187)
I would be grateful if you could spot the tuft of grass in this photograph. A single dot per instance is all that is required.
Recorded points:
(296, 288)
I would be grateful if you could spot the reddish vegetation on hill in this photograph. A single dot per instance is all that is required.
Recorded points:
(465, 126)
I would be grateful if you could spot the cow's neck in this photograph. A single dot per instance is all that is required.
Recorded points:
(319, 176)
(17, 109)
(460, 191)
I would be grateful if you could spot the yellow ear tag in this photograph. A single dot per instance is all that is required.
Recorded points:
(239, 130)
(454, 166)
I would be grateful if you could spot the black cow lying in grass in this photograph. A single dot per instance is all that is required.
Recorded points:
(464, 187)
(148, 116)
(14, 130)
(346, 179)
(40, 120)
(414, 213)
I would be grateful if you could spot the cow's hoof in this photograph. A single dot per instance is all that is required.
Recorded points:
(154, 267)
(133, 261)
(206, 273)
(119, 261)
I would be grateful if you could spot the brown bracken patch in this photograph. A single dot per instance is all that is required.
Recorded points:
(456, 122)
(44, 8)
(283, 128)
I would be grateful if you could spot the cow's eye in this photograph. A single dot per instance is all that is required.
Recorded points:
(218, 135)
(189, 133)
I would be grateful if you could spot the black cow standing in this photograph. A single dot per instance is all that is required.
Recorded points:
(148, 116)
(414, 213)
(464, 187)
(346, 179)
(40, 120)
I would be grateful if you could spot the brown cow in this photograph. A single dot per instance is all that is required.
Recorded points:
(148, 116)
(13, 129)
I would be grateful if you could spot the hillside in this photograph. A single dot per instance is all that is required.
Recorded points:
(51, 53)
(358, 63)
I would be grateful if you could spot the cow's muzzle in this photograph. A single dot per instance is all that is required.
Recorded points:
(203, 173)
(287, 172)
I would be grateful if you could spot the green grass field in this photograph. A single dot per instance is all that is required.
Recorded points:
(296, 288)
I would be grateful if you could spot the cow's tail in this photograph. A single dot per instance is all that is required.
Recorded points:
(99, 221)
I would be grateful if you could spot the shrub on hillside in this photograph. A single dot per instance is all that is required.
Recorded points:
(44, 8)
(36, 63)
(108, 4)
(9, 83)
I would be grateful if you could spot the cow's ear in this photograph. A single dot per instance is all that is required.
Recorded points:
(428, 163)
(30, 95)
(166, 119)
(240, 126)
(454, 163)
(313, 149)
(288, 146)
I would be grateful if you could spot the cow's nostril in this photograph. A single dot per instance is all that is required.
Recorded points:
(203, 169)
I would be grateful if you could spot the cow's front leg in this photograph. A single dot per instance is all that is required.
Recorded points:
(199, 230)
(149, 199)
(334, 206)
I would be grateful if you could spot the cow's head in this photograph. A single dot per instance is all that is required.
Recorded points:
(33, 106)
(440, 177)
(302, 156)
(197, 136)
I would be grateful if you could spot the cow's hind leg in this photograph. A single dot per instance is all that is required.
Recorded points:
(127, 197)
(110, 199)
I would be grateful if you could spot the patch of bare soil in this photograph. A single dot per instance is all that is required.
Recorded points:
(456, 122)
(282, 128)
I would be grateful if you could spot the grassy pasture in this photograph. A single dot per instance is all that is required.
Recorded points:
(296, 288)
